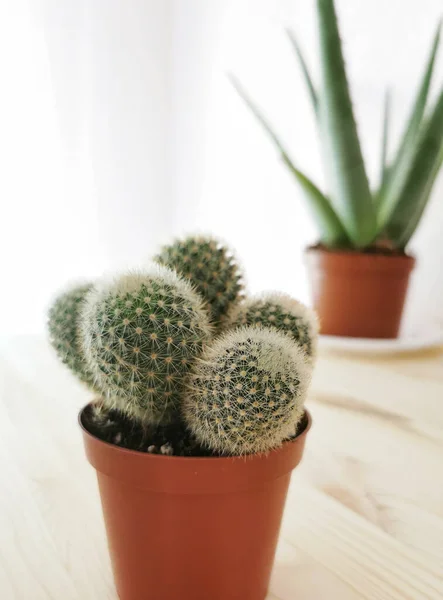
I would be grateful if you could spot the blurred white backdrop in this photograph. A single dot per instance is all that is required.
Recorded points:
(119, 128)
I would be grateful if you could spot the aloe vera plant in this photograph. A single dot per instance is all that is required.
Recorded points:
(352, 214)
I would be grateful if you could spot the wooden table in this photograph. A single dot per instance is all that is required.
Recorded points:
(364, 518)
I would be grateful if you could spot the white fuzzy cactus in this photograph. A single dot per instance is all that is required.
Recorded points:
(141, 333)
(280, 311)
(246, 394)
(64, 335)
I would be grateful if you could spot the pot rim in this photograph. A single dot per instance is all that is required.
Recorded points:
(352, 253)
(226, 459)
(359, 263)
(192, 475)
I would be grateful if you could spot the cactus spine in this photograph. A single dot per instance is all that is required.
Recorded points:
(281, 312)
(63, 325)
(211, 267)
(246, 394)
(140, 333)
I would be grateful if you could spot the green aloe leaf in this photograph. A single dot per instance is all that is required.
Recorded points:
(310, 85)
(417, 186)
(348, 181)
(403, 239)
(332, 232)
(399, 172)
(385, 136)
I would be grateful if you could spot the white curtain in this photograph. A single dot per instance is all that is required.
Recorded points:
(119, 128)
(85, 116)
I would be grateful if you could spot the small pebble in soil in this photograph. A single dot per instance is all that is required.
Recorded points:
(167, 449)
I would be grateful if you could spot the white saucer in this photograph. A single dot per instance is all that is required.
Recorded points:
(407, 342)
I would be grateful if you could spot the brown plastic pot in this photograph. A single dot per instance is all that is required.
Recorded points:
(192, 528)
(357, 294)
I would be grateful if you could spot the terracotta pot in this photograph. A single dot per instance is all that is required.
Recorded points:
(359, 295)
(192, 528)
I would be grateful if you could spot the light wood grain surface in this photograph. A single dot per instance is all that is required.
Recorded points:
(364, 517)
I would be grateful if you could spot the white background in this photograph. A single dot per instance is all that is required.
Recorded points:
(119, 128)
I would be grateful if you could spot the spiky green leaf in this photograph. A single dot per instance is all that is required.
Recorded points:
(418, 184)
(385, 136)
(348, 182)
(332, 232)
(399, 172)
(403, 240)
(304, 67)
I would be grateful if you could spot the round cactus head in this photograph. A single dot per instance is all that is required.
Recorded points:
(246, 394)
(211, 267)
(281, 312)
(64, 333)
(141, 333)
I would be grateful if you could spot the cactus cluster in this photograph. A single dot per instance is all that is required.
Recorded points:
(63, 325)
(140, 335)
(246, 394)
(211, 268)
(180, 362)
(282, 312)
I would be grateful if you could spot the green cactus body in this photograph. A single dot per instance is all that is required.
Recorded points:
(282, 312)
(211, 267)
(246, 395)
(141, 333)
(64, 335)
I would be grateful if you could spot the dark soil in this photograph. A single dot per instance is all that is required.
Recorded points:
(114, 427)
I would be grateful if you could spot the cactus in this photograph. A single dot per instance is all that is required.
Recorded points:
(282, 312)
(141, 333)
(211, 267)
(63, 326)
(246, 394)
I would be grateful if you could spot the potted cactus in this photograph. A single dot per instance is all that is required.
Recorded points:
(360, 268)
(198, 418)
